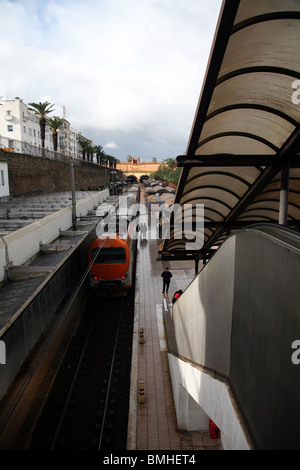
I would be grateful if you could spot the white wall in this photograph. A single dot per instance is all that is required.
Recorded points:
(4, 188)
(213, 399)
(26, 127)
(20, 245)
(202, 319)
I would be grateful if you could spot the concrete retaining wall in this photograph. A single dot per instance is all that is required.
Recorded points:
(27, 328)
(237, 322)
(20, 245)
(34, 175)
(198, 397)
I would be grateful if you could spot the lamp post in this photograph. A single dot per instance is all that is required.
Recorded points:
(73, 197)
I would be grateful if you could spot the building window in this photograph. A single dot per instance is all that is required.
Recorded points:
(10, 128)
(24, 129)
(2, 178)
(8, 113)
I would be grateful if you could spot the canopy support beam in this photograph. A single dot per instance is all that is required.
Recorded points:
(284, 195)
(223, 160)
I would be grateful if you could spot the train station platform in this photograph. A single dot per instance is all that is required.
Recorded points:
(220, 341)
(153, 424)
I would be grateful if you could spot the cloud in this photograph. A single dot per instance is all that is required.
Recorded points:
(111, 145)
(122, 68)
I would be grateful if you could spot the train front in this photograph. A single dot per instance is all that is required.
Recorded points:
(110, 267)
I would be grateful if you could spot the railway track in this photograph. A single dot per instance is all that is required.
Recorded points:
(86, 408)
(75, 399)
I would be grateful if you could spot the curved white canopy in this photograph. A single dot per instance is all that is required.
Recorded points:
(244, 144)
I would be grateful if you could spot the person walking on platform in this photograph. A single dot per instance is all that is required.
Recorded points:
(166, 275)
(143, 231)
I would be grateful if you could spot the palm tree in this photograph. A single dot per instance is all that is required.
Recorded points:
(54, 123)
(85, 145)
(112, 161)
(42, 110)
(90, 151)
(100, 154)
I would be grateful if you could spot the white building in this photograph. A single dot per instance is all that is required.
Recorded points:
(75, 149)
(20, 131)
(68, 140)
(19, 125)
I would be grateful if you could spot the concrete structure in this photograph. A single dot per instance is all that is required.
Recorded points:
(230, 339)
(19, 246)
(30, 174)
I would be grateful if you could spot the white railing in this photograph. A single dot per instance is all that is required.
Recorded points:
(17, 146)
(25, 148)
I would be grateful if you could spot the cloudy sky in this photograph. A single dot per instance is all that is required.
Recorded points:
(128, 73)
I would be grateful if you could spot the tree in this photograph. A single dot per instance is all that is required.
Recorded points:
(42, 110)
(85, 145)
(112, 161)
(54, 123)
(167, 171)
(101, 155)
(171, 162)
(90, 151)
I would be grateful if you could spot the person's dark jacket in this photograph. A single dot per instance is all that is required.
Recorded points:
(166, 275)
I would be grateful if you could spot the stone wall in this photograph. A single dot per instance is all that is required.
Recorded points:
(33, 175)
(137, 169)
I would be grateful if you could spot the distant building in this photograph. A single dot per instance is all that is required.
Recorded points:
(19, 125)
(68, 140)
(20, 131)
(74, 147)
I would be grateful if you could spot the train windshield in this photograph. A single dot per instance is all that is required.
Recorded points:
(108, 256)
